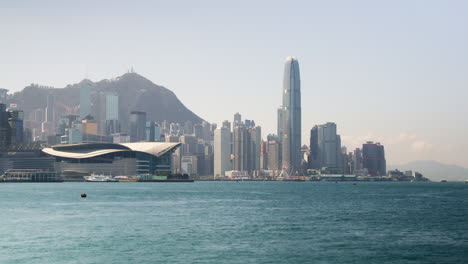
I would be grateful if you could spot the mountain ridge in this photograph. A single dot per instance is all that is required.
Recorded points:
(136, 93)
(435, 170)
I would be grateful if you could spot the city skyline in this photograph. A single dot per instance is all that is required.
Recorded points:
(210, 131)
(391, 75)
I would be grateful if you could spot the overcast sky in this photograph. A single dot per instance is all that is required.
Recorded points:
(388, 71)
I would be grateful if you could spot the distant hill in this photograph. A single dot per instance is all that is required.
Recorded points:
(434, 170)
(136, 93)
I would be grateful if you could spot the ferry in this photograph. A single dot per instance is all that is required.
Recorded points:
(100, 178)
(125, 179)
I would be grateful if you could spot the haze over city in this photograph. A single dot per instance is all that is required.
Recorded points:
(391, 72)
(242, 131)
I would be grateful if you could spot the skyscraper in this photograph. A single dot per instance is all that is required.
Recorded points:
(4, 128)
(85, 100)
(373, 158)
(264, 155)
(137, 126)
(314, 157)
(206, 131)
(189, 144)
(112, 114)
(357, 159)
(249, 123)
(256, 138)
(329, 147)
(150, 131)
(242, 146)
(325, 149)
(280, 123)
(237, 120)
(290, 116)
(3, 95)
(15, 121)
(112, 107)
(222, 151)
(50, 114)
(48, 126)
(157, 132)
(227, 124)
(273, 155)
(198, 131)
(188, 127)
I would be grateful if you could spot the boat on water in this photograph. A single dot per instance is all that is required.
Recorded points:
(443, 181)
(100, 178)
(125, 178)
(466, 181)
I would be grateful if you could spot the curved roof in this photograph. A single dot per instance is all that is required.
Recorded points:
(154, 148)
(88, 147)
(89, 150)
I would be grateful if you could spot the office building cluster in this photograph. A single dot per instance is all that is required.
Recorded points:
(241, 151)
(327, 155)
(280, 155)
(235, 150)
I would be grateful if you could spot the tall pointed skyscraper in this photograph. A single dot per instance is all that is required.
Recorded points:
(289, 116)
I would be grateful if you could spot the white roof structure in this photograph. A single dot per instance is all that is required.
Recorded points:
(154, 148)
(89, 150)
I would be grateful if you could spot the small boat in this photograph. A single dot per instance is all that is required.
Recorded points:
(100, 178)
(83, 195)
(466, 181)
(443, 181)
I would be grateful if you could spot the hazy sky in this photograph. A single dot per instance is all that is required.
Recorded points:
(388, 71)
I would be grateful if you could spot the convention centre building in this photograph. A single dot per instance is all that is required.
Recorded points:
(124, 159)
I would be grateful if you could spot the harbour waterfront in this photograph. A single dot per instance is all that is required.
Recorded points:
(234, 222)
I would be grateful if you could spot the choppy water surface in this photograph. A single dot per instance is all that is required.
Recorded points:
(234, 222)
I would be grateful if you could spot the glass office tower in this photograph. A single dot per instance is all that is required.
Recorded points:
(290, 114)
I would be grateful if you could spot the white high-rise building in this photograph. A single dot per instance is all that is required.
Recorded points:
(222, 151)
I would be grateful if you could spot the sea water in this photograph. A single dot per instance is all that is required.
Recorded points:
(234, 222)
